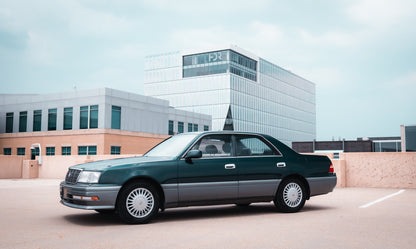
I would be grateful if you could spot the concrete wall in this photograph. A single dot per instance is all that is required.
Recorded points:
(380, 170)
(11, 167)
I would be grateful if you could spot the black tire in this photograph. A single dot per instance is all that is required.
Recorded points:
(105, 211)
(291, 196)
(137, 203)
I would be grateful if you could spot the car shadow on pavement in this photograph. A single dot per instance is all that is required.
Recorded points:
(93, 219)
(213, 212)
(187, 213)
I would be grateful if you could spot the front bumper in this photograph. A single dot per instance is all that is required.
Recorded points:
(79, 196)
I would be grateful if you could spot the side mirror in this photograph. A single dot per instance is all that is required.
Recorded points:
(193, 154)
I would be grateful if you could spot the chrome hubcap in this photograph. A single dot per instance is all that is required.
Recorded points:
(140, 202)
(292, 194)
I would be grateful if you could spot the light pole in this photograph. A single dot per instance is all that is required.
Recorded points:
(40, 151)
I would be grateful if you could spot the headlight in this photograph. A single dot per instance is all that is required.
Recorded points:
(89, 177)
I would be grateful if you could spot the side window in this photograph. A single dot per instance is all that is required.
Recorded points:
(214, 146)
(253, 146)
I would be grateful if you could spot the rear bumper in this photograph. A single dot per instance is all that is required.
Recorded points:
(79, 196)
(322, 185)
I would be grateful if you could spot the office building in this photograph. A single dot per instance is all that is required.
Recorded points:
(240, 90)
(91, 122)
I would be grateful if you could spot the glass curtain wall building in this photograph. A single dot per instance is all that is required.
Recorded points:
(241, 91)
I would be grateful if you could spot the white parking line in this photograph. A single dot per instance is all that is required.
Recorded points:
(382, 199)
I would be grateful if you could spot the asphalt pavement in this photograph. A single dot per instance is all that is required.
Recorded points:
(32, 217)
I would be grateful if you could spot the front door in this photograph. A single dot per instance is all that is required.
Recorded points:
(214, 176)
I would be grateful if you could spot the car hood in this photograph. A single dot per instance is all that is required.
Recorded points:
(106, 164)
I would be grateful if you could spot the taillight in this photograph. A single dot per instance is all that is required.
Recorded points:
(331, 168)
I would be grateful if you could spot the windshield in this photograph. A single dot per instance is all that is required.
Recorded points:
(172, 146)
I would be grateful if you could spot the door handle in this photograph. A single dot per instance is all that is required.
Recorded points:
(230, 166)
(281, 165)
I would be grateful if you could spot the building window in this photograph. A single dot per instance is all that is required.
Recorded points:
(66, 150)
(216, 62)
(21, 151)
(190, 127)
(170, 127)
(23, 122)
(9, 122)
(180, 127)
(93, 116)
(115, 150)
(92, 150)
(37, 120)
(115, 117)
(206, 128)
(387, 146)
(50, 151)
(87, 150)
(68, 118)
(52, 119)
(7, 151)
(195, 127)
(83, 117)
(82, 150)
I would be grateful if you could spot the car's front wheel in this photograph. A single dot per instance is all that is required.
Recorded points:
(137, 203)
(290, 196)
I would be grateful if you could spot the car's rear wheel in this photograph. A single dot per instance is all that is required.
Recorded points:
(290, 196)
(137, 203)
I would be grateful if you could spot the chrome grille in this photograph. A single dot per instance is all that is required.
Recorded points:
(72, 176)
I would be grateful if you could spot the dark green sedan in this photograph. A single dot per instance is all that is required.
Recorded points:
(206, 168)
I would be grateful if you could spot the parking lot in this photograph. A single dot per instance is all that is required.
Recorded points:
(32, 217)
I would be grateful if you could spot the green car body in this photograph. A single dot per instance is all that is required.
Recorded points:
(199, 169)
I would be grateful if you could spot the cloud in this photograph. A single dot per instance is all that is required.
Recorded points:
(206, 8)
(89, 22)
(257, 35)
(405, 83)
(324, 77)
(330, 38)
(129, 51)
(381, 14)
(266, 33)
(41, 48)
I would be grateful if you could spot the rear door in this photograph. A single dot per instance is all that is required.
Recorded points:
(260, 166)
(212, 177)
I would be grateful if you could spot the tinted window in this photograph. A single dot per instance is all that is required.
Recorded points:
(37, 120)
(9, 122)
(66, 150)
(94, 116)
(253, 146)
(68, 118)
(23, 121)
(115, 117)
(215, 146)
(83, 119)
(52, 119)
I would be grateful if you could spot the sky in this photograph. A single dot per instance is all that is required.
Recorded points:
(360, 54)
